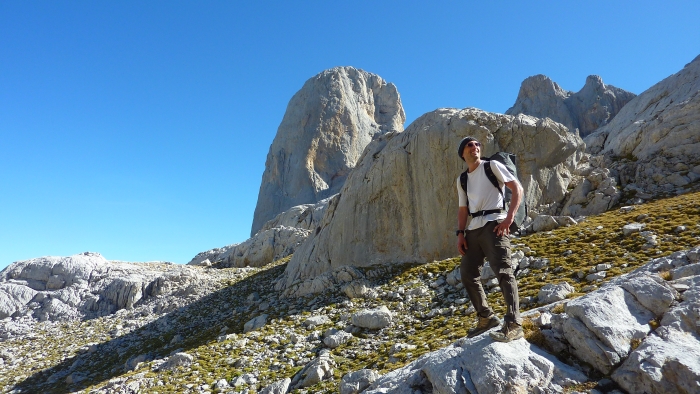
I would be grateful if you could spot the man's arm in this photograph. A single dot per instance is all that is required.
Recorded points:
(462, 216)
(516, 197)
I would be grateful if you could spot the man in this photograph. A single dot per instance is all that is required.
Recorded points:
(487, 235)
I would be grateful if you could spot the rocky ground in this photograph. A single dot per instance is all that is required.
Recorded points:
(241, 336)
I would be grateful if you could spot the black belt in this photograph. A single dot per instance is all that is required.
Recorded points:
(486, 212)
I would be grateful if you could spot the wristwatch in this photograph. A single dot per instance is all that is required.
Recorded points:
(459, 231)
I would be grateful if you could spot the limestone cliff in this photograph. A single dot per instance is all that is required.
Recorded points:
(324, 130)
(399, 203)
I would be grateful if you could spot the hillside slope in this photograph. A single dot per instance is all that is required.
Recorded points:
(243, 336)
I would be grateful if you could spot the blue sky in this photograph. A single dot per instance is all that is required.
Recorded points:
(139, 129)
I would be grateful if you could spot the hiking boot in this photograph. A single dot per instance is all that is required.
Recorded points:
(508, 332)
(484, 324)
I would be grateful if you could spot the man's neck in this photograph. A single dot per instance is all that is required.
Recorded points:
(473, 164)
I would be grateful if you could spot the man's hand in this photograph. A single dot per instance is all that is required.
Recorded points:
(461, 244)
(503, 228)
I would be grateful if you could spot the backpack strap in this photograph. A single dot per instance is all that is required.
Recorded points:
(494, 181)
(463, 182)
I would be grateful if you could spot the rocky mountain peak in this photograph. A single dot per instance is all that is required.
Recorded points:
(541, 83)
(586, 110)
(327, 125)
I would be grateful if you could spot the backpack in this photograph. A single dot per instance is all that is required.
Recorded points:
(508, 160)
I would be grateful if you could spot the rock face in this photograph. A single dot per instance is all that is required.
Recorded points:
(595, 190)
(662, 120)
(86, 285)
(400, 204)
(586, 110)
(278, 238)
(327, 125)
(657, 134)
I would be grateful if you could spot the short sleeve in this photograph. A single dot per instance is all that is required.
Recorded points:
(501, 172)
(462, 195)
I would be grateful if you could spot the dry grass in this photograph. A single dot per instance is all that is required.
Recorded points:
(559, 308)
(654, 323)
(635, 342)
(666, 275)
(533, 333)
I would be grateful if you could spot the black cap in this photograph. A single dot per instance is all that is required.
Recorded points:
(463, 144)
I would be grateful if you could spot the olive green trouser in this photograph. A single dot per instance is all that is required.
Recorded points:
(483, 242)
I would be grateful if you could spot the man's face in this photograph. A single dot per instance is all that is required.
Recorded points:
(472, 150)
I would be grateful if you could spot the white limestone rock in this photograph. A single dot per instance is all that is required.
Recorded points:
(86, 285)
(654, 141)
(177, 360)
(632, 228)
(255, 323)
(373, 319)
(665, 363)
(668, 361)
(14, 298)
(595, 105)
(279, 387)
(654, 293)
(481, 365)
(689, 270)
(334, 338)
(356, 382)
(317, 320)
(326, 126)
(265, 247)
(277, 239)
(335, 279)
(357, 289)
(305, 216)
(398, 204)
(318, 370)
(597, 193)
(554, 292)
(211, 255)
(663, 120)
(548, 222)
(601, 326)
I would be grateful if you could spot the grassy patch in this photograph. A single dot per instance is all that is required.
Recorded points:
(533, 333)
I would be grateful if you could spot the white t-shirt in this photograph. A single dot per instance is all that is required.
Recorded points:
(482, 195)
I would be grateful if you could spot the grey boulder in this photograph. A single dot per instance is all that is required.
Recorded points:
(372, 318)
(356, 382)
(554, 292)
(480, 365)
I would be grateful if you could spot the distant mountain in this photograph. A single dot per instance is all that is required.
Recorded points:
(593, 106)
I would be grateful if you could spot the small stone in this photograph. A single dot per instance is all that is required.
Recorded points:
(316, 321)
(596, 276)
(680, 287)
(632, 228)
